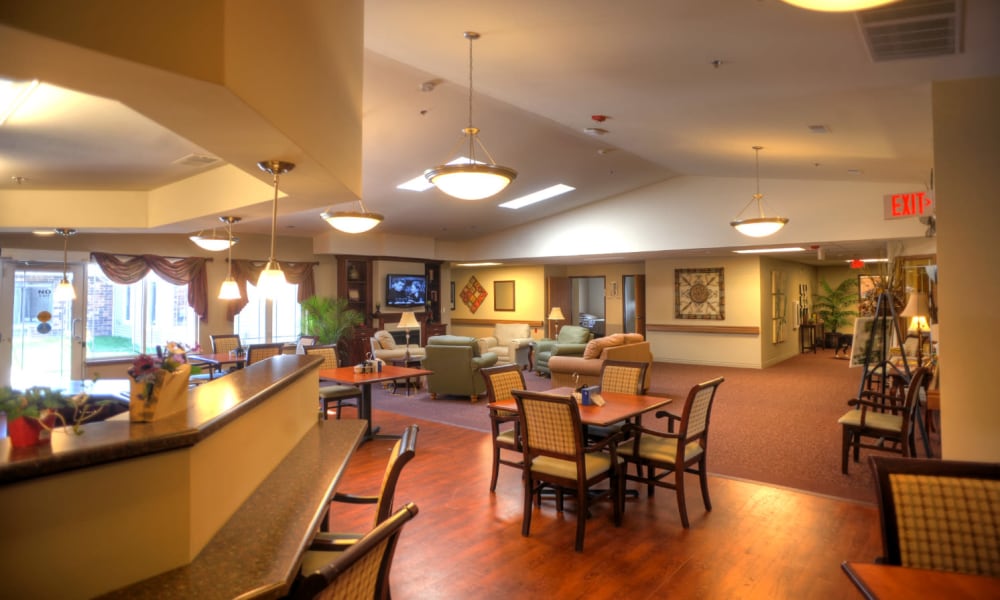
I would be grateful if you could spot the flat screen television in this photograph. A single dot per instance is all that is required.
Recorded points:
(405, 290)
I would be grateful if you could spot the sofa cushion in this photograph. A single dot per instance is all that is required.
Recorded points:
(573, 334)
(385, 339)
(633, 338)
(597, 345)
(505, 333)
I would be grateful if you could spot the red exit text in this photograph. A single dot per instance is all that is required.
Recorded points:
(914, 204)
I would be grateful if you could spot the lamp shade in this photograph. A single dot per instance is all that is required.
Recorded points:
(352, 222)
(230, 290)
(408, 321)
(916, 306)
(64, 292)
(760, 226)
(213, 242)
(556, 314)
(471, 181)
(271, 279)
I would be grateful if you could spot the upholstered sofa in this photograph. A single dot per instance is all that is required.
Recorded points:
(511, 342)
(617, 346)
(571, 341)
(455, 361)
(385, 346)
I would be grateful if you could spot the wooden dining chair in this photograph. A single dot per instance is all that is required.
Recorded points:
(662, 454)
(225, 343)
(939, 514)
(881, 419)
(360, 571)
(555, 456)
(622, 376)
(337, 395)
(258, 352)
(505, 427)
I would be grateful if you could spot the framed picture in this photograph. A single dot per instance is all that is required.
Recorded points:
(452, 307)
(699, 294)
(503, 295)
(354, 294)
(868, 333)
(869, 287)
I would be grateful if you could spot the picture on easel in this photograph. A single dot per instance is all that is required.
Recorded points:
(867, 338)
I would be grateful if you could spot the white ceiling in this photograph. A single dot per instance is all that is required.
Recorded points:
(688, 88)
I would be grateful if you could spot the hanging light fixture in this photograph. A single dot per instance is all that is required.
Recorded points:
(472, 180)
(64, 292)
(271, 278)
(353, 222)
(839, 5)
(213, 242)
(230, 290)
(758, 226)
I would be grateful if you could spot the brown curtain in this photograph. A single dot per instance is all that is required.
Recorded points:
(126, 269)
(300, 273)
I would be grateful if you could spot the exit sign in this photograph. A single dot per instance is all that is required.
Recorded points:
(914, 204)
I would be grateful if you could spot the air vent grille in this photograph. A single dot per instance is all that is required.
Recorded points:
(913, 29)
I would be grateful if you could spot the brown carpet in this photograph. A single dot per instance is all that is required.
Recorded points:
(776, 425)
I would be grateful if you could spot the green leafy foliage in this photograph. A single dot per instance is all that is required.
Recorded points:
(30, 402)
(328, 319)
(834, 306)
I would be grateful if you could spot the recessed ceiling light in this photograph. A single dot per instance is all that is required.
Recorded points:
(549, 192)
(44, 232)
(868, 260)
(422, 184)
(768, 250)
(479, 264)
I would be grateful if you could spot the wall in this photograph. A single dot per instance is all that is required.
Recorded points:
(614, 313)
(795, 274)
(529, 294)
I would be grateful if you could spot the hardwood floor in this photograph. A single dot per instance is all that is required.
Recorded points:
(757, 542)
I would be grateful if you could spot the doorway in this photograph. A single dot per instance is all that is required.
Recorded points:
(588, 308)
(41, 339)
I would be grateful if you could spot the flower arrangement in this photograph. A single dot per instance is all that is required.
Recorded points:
(162, 376)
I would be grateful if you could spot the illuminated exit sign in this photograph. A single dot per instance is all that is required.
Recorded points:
(915, 204)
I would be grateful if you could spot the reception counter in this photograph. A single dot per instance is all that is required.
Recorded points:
(214, 502)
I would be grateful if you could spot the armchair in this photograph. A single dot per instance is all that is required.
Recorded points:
(571, 341)
(511, 342)
(455, 361)
(384, 346)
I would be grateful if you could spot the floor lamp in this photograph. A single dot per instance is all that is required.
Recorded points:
(556, 315)
(407, 322)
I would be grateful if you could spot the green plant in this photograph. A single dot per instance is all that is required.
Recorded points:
(833, 305)
(328, 319)
(30, 402)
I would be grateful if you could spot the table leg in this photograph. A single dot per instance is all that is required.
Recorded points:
(365, 412)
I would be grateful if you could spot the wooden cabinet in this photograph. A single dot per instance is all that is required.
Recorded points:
(354, 282)
(358, 344)
(430, 329)
(432, 271)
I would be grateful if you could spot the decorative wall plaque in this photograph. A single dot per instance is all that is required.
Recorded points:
(473, 294)
(699, 294)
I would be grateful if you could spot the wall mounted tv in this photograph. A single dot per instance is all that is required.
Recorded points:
(405, 290)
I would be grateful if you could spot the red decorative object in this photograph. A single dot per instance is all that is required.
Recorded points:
(24, 432)
(857, 264)
(473, 294)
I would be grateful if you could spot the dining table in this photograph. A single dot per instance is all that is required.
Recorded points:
(348, 376)
(219, 360)
(617, 406)
(875, 581)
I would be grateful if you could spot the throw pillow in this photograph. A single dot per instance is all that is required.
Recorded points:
(597, 345)
(385, 339)
(634, 338)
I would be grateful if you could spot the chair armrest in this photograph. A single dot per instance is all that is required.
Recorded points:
(671, 419)
(520, 342)
(486, 360)
(352, 499)
(544, 345)
(568, 349)
(485, 343)
(606, 442)
(333, 542)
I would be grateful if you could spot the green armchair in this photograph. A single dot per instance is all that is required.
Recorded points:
(455, 361)
(571, 341)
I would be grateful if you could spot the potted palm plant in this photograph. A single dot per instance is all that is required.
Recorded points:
(835, 307)
(329, 319)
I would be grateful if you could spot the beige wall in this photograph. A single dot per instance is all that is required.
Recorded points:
(529, 297)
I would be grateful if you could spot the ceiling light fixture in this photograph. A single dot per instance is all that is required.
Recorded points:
(838, 5)
(550, 192)
(230, 290)
(471, 180)
(353, 222)
(271, 278)
(758, 226)
(214, 242)
(64, 292)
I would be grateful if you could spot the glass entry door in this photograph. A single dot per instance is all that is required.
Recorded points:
(41, 340)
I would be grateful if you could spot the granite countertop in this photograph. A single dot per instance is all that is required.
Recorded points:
(210, 406)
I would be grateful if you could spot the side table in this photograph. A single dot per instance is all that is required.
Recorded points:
(409, 382)
(807, 337)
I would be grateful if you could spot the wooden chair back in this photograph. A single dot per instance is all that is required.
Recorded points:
(258, 352)
(623, 376)
(939, 514)
(550, 426)
(328, 352)
(402, 453)
(697, 413)
(361, 571)
(223, 343)
(501, 380)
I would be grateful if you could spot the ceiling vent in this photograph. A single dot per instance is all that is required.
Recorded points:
(196, 160)
(913, 29)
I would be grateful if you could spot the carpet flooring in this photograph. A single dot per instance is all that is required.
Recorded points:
(776, 425)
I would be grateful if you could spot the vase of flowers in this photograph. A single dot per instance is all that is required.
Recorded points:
(159, 384)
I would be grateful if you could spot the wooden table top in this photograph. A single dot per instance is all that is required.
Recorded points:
(346, 375)
(889, 581)
(617, 407)
(221, 358)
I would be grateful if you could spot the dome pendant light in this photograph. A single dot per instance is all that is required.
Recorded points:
(65, 292)
(472, 180)
(758, 226)
(839, 5)
(230, 290)
(271, 278)
(353, 222)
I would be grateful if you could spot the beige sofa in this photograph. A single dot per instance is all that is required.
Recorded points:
(617, 346)
(511, 342)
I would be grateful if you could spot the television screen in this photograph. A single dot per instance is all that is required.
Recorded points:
(405, 290)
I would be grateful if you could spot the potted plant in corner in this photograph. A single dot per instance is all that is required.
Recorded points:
(329, 320)
(834, 307)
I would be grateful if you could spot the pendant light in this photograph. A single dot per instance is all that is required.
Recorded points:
(64, 292)
(213, 242)
(230, 290)
(353, 222)
(471, 180)
(271, 278)
(757, 226)
(839, 5)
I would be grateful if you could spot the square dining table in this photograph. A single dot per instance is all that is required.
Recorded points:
(617, 406)
(347, 376)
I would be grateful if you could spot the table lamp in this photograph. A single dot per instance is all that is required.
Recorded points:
(408, 321)
(916, 311)
(556, 315)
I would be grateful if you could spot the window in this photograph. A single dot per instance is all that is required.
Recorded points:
(126, 319)
(262, 321)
